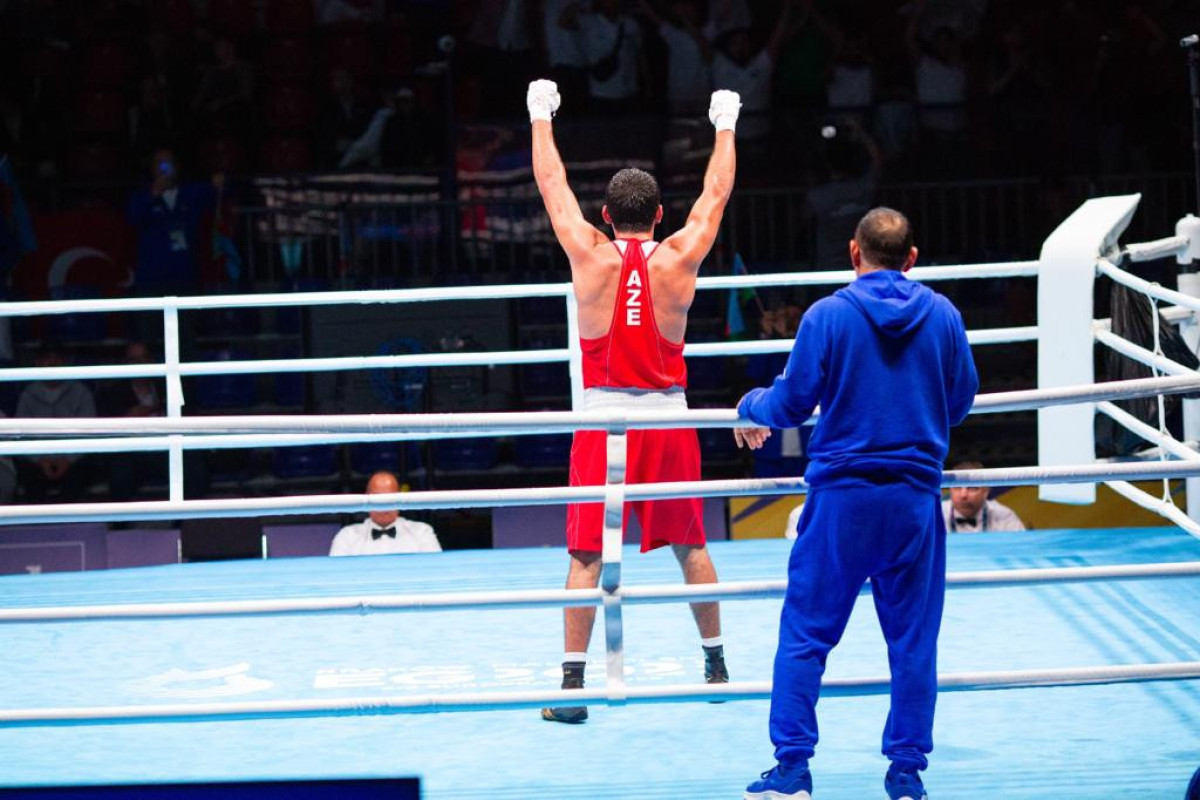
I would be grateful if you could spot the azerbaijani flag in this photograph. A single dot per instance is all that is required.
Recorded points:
(735, 322)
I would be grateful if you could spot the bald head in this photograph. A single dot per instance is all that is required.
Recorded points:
(884, 240)
(383, 483)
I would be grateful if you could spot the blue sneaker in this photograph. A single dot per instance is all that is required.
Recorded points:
(782, 782)
(904, 784)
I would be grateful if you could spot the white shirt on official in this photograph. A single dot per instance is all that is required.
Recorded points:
(753, 82)
(793, 522)
(992, 518)
(599, 36)
(411, 537)
(688, 81)
(563, 48)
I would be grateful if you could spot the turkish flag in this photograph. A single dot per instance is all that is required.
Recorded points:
(88, 252)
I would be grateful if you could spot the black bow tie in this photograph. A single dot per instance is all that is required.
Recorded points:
(969, 521)
(378, 533)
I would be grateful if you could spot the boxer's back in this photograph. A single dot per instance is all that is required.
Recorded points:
(596, 277)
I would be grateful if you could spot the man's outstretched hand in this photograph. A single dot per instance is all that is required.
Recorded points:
(752, 438)
(542, 100)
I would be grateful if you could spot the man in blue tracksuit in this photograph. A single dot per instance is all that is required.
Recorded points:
(887, 360)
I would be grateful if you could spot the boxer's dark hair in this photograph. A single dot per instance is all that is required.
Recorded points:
(633, 198)
(885, 238)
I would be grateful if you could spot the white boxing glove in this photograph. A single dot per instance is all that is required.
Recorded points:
(542, 100)
(723, 110)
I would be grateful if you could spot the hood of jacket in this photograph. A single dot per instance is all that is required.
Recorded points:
(894, 304)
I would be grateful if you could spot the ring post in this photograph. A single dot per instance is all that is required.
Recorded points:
(1189, 328)
(610, 573)
(1066, 276)
(174, 395)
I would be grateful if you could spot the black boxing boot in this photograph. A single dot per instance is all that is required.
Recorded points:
(572, 679)
(715, 670)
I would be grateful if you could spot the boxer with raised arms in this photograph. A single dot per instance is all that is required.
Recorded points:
(633, 296)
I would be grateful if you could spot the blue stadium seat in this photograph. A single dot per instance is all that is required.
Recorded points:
(288, 318)
(707, 373)
(533, 452)
(545, 380)
(218, 392)
(305, 462)
(542, 311)
(76, 327)
(465, 454)
(716, 444)
(228, 321)
(370, 457)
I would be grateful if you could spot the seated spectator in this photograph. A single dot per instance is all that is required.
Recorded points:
(167, 216)
(384, 532)
(128, 473)
(970, 511)
(67, 475)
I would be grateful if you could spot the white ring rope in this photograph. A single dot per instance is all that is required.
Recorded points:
(543, 422)
(1141, 354)
(678, 693)
(490, 358)
(1164, 440)
(550, 495)
(1169, 247)
(1160, 506)
(561, 598)
(1010, 269)
(1106, 267)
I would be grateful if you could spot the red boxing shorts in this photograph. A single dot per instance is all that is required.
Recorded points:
(653, 457)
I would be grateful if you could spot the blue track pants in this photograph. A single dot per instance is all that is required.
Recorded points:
(893, 534)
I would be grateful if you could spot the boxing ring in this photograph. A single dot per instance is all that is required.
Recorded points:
(304, 668)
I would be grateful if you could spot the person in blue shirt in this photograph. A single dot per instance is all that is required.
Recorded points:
(887, 361)
(168, 216)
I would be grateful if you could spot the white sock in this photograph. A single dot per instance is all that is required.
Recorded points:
(575, 657)
(715, 641)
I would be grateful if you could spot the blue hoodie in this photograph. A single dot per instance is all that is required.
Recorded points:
(887, 359)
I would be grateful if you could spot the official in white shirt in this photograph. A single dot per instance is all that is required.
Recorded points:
(384, 532)
(970, 511)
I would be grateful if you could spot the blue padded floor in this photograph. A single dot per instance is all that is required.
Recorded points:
(1138, 741)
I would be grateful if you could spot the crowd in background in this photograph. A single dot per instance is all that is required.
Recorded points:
(949, 88)
(167, 100)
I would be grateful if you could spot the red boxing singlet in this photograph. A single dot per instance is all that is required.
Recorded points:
(633, 355)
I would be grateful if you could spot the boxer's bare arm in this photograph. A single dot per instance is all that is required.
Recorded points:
(693, 241)
(576, 235)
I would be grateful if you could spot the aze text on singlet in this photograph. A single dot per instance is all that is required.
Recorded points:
(633, 354)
